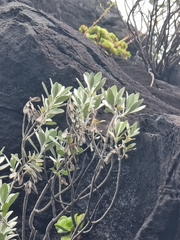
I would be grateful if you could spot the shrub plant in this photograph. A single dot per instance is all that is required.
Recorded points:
(106, 40)
(76, 163)
(159, 47)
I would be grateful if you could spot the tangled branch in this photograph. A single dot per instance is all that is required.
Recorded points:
(159, 47)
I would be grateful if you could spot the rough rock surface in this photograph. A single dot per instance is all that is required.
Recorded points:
(76, 13)
(34, 47)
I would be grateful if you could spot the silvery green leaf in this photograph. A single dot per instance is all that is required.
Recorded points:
(134, 106)
(138, 109)
(120, 126)
(41, 137)
(5, 208)
(97, 103)
(129, 101)
(2, 237)
(2, 167)
(35, 167)
(97, 77)
(50, 132)
(61, 99)
(4, 191)
(11, 198)
(45, 89)
(100, 84)
(114, 90)
(2, 159)
(110, 97)
(64, 91)
(106, 104)
(130, 146)
(91, 81)
(56, 111)
(34, 146)
(8, 215)
(80, 84)
(11, 236)
(120, 93)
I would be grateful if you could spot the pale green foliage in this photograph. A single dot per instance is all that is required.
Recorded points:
(106, 40)
(85, 131)
(7, 227)
(65, 225)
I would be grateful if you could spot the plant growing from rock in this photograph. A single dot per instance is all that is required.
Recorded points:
(7, 227)
(65, 225)
(76, 163)
(106, 40)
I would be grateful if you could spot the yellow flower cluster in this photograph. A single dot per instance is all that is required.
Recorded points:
(107, 40)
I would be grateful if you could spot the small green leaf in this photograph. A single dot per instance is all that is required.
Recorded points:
(34, 146)
(61, 231)
(4, 191)
(12, 198)
(97, 77)
(45, 89)
(110, 97)
(109, 107)
(130, 100)
(80, 84)
(138, 109)
(41, 138)
(80, 149)
(1, 151)
(100, 84)
(79, 219)
(2, 159)
(89, 80)
(35, 167)
(56, 111)
(50, 123)
(11, 236)
(65, 172)
(2, 237)
(114, 90)
(65, 91)
(65, 223)
(61, 99)
(122, 126)
(97, 103)
(4, 166)
(134, 106)
(67, 237)
(118, 97)
(130, 146)
(5, 208)
(55, 89)
(85, 109)
(14, 160)
(50, 146)
(61, 152)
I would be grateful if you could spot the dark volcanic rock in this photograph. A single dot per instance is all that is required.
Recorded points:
(35, 47)
(76, 13)
(174, 77)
